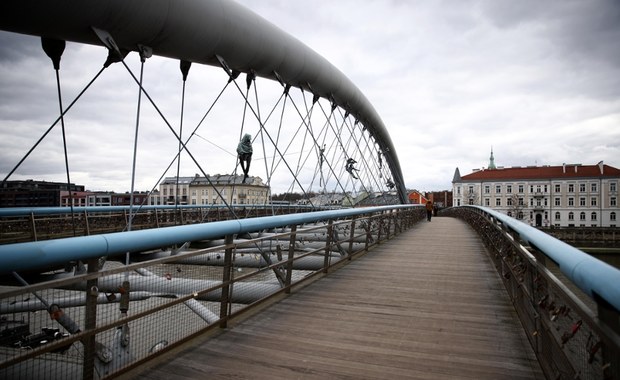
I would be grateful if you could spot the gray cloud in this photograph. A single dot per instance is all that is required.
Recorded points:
(537, 81)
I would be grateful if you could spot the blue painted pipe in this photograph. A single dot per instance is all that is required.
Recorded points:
(591, 275)
(25, 211)
(43, 254)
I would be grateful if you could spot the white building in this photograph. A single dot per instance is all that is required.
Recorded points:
(571, 195)
(216, 189)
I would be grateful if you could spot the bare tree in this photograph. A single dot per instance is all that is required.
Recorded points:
(516, 208)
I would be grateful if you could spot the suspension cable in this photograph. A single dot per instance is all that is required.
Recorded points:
(186, 142)
(54, 49)
(232, 211)
(54, 124)
(184, 66)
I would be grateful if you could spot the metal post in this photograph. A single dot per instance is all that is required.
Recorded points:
(90, 322)
(389, 224)
(351, 236)
(225, 296)
(367, 227)
(328, 243)
(380, 228)
(34, 227)
(611, 357)
(291, 253)
(86, 222)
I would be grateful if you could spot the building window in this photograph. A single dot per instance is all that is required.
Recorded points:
(558, 188)
(498, 189)
(509, 213)
(593, 187)
(571, 201)
(509, 202)
(471, 190)
(571, 188)
(521, 203)
(593, 201)
(612, 202)
(582, 187)
(458, 202)
(593, 216)
(582, 216)
(571, 216)
(487, 189)
(471, 202)
(582, 201)
(558, 202)
(612, 216)
(498, 202)
(458, 190)
(509, 189)
(487, 202)
(520, 189)
(520, 215)
(612, 186)
(557, 216)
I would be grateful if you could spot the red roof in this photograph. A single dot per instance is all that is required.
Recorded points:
(543, 172)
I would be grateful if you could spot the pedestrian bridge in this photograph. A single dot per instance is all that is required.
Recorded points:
(374, 292)
(233, 289)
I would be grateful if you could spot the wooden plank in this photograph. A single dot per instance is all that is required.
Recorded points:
(427, 304)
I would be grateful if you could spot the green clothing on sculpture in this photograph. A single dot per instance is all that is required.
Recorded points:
(245, 145)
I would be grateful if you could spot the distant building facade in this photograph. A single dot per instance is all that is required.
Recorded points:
(570, 195)
(31, 193)
(417, 198)
(214, 189)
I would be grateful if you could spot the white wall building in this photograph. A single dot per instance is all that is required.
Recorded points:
(216, 189)
(571, 195)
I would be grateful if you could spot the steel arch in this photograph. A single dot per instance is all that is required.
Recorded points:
(206, 32)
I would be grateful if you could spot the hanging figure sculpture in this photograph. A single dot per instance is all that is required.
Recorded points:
(350, 168)
(244, 152)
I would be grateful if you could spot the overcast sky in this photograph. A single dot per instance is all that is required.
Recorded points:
(538, 81)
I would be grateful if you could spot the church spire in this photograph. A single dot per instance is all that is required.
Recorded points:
(492, 160)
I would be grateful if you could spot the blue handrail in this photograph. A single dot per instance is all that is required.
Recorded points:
(40, 254)
(24, 211)
(591, 275)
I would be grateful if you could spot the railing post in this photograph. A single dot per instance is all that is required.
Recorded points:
(90, 322)
(328, 244)
(86, 222)
(291, 253)
(33, 226)
(611, 358)
(380, 228)
(351, 237)
(367, 228)
(389, 224)
(225, 296)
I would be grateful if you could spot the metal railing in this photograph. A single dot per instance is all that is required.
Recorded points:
(567, 301)
(99, 317)
(23, 224)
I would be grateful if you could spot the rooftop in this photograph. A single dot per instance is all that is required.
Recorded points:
(565, 171)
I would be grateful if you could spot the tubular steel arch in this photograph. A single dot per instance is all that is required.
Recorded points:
(218, 32)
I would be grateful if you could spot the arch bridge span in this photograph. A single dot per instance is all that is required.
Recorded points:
(225, 34)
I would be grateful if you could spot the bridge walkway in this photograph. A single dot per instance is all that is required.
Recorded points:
(428, 304)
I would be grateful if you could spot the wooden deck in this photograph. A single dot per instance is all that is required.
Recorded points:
(426, 305)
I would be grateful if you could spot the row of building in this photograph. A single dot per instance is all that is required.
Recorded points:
(568, 195)
(197, 190)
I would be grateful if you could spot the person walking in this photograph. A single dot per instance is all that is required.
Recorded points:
(429, 210)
